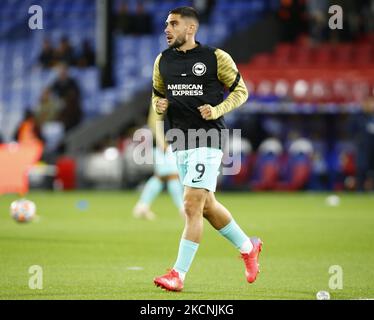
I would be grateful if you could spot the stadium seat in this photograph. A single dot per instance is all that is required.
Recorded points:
(324, 56)
(267, 165)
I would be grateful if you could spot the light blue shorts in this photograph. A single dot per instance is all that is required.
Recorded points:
(165, 163)
(199, 167)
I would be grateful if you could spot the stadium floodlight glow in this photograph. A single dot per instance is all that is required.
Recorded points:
(111, 154)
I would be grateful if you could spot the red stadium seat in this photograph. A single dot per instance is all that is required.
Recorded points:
(360, 90)
(250, 86)
(282, 55)
(269, 178)
(300, 177)
(324, 56)
(341, 90)
(303, 57)
(264, 88)
(320, 91)
(262, 60)
(343, 55)
(363, 55)
(284, 49)
(282, 88)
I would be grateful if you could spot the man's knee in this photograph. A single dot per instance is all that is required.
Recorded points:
(209, 205)
(194, 201)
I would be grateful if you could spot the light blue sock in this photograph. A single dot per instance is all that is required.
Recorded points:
(234, 234)
(151, 189)
(175, 189)
(186, 253)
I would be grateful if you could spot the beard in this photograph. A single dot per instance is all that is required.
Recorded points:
(179, 41)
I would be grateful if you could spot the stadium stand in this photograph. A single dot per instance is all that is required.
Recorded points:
(339, 73)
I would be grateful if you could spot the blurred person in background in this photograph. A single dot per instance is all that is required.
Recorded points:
(71, 113)
(64, 83)
(124, 19)
(204, 7)
(358, 17)
(318, 19)
(67, 89)
(47, 109)
(47, 115)
(139, 22)
(142, 20)
(165, 172)
(86, 58)
(28, 131)
(64, 52)
(46, 57)
(350, 20)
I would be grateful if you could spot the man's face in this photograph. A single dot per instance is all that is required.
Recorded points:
(176, 30)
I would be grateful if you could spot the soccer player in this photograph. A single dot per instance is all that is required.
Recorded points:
(165, 171)
(188, 86)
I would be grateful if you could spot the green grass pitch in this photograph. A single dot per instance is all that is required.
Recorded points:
(102, 252)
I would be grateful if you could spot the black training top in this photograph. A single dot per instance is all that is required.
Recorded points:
(193, 78)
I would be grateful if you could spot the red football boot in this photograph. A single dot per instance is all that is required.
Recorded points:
(170, 281)
(251, 260)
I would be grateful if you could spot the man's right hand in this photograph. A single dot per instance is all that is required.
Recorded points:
(161, 105)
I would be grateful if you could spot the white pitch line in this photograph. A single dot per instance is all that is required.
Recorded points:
(135, 268)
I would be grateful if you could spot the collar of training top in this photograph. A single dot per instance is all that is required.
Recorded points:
(190, 50)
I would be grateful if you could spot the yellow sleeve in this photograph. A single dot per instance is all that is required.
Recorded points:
(229, 75)
(156, 124)
(158, 84)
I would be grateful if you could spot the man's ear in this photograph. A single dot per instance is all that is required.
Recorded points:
(192, 28)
